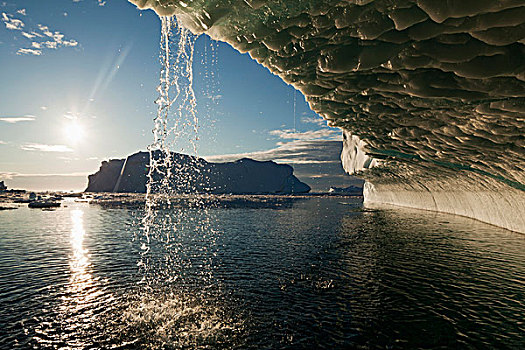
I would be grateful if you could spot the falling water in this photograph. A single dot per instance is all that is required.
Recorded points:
(212, 91)
(171, 176)
(175, 115)
(176, 123)
(178, 242)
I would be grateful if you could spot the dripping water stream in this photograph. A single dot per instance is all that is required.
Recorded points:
(178, 239)
(176, 123)
(170, 173)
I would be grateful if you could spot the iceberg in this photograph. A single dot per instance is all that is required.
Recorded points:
(190, 174)
(430, 94)
(350, 190)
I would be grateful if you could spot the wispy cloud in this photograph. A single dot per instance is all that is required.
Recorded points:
(13, 120)
(11, 175)
(297, 152)
(11, 22)
(57, 38)
(32, 35)
(7, 175)
(100, 2)
(308, 147)
(34, 52)
(3, 142)
(46, 182)
(41, 36)
(313, 120)
(323, 134)
(45, 148)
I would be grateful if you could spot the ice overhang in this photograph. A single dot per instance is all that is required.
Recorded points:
(426, 81)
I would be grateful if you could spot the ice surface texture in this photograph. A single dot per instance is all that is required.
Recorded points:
(432, 88)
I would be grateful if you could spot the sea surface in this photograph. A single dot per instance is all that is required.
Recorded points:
(302, 274)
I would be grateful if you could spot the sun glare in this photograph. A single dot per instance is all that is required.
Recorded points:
(74, 131)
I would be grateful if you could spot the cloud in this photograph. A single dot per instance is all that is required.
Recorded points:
(100, 2)
(29, 52)
(46, 182)
(3, 142)
(13, 120)
(309, 147)
(32, 35)
(57, 38)
(323, 134)
(42, 37)
(7, 175)
(11, 175)
(28, 35)
(45, 148)
(11, 22)
(313, 120)
(297, 152)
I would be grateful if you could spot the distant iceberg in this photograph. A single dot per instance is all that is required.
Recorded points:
(431, 94)
(350, 190)
(195, 175)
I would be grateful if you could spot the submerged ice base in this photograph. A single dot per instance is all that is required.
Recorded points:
(500, 208)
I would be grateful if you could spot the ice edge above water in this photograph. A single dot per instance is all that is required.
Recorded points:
(430, 94)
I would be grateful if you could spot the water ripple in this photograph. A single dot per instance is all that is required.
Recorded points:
(316, 274)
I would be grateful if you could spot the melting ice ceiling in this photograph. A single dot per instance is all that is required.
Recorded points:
(432, 88)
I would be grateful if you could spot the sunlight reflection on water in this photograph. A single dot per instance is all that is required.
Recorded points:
(82, 287)
(76, 311)
(79, 260)
(81, 298)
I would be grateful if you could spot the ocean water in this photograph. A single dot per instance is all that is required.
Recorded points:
(306, 274)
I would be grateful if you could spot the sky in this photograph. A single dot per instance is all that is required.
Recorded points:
(79, 81)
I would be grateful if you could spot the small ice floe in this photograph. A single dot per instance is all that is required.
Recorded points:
(44, 204)
(3, 207)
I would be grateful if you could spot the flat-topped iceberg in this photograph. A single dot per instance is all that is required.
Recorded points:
(195, 175)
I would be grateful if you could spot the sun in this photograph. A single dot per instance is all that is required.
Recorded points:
(74, 131)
